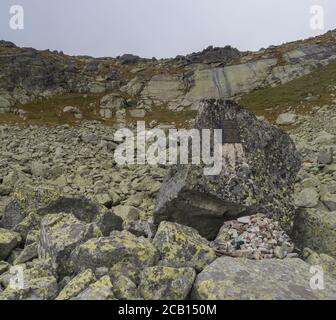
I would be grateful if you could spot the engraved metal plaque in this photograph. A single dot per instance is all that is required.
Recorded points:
(231, 131)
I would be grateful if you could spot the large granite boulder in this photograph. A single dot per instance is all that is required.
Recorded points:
(270, 279)
(120, 247)
(27, 199)
(259, 167)
(41, 201)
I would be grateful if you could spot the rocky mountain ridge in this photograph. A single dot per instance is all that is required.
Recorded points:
(176, 84)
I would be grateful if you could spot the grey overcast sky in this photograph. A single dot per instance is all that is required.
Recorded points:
(160, 28)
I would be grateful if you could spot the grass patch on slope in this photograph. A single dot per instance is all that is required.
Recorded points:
(275, 100)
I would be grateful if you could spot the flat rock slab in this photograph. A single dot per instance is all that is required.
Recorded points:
(259, 166)
(270, 279)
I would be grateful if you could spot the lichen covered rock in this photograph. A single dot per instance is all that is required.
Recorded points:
(258, 167)
(119, 247)
(182, 246)
(270, 279)
(316, 230)
(60, 235)
(8, 241)
(125, 289)
(165, 283)
(100, 290)
(27, 199)
(77, 285)
(34, 282)
(30, 203)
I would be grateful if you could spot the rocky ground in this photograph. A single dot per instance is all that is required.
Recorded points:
(75, 225)
(105, 246)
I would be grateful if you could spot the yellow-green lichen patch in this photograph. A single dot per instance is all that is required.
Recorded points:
(99, 290)
(77, 285)
(8, 241)
(125, 289)
(119, 248)
(182, 246)
(166, 283)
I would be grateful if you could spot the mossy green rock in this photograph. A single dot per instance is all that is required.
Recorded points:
(77, 285)
(182, 246)
(100, 290)
(125, 269)
(316, 229)
(30, 222)
(8, 241)
(39, 282)
(119, 247)
(60, 235)
(165, 283)
(125, 289)
(270, 279)
(27, 199)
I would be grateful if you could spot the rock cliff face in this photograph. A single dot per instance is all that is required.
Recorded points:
(27, 74)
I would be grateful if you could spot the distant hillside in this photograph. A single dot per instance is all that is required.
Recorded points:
(42, 83)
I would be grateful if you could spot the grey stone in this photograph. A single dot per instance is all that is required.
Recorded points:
(100, 290)
(182, 246)
(60, 235)
(286, 119)
(259, 167)
(77, 285)
(118, 247)
(325, 157)
(5, 105)
(315, 229)
(70, 109)
(8, 241)
(307, 198)
(270, 279)
(329, 200)
(127, 213)
(28, 253)
(164, 283)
